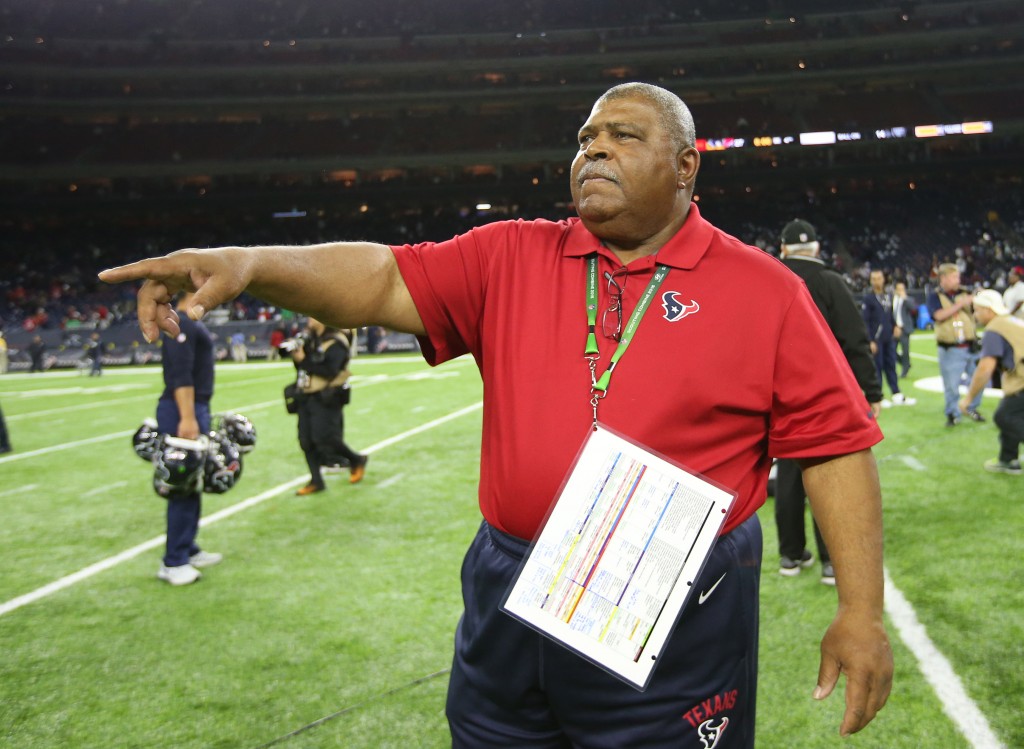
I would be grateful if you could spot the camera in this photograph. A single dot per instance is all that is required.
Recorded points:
(293, 344)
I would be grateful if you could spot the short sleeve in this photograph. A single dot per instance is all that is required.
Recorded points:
(447, 282)
(180, 353)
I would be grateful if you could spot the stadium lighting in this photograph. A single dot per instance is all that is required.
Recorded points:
(820, 138)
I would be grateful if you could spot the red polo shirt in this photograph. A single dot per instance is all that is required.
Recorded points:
(751, 371)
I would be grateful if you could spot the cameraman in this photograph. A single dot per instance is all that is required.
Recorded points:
(321, 357)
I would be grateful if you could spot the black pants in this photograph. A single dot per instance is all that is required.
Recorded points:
(903, 351)
(790, 498)
(1009, 417)
(512, 687)
(321, 434)
(5, 441)
(183, 510)
(885, 365)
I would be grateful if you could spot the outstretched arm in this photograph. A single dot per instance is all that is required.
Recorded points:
(344, 284)
(847, 503)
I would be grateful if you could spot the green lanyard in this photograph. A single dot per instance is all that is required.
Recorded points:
(599, 385)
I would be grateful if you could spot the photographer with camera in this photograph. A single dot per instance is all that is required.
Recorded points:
(321, 357)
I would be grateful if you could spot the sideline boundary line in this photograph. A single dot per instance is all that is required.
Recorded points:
(93, 569)
(961, 710)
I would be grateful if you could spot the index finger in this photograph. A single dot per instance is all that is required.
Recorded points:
(162, 280)
(153, 268)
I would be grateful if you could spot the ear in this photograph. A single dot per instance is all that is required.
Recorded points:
(687, 166)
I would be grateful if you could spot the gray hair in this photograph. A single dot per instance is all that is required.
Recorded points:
(674, 114)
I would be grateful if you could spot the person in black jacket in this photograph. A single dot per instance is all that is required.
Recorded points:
(37, 351)
(800, 249)
(94, 352)
(877, 308)
(321, 362)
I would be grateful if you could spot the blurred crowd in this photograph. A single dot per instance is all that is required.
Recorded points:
(48, 273)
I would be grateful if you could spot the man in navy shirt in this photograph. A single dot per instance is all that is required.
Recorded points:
(184, 411)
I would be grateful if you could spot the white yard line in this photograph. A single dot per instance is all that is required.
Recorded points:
(911, 462)
(110, 562)
(391, 481)
(362, 382)
(938, 671)
(11, 457)
(19, 490)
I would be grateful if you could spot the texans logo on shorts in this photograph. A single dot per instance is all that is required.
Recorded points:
(675, 308)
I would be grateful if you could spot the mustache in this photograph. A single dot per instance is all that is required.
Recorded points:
(596, 169)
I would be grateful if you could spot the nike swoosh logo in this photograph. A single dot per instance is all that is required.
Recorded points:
(707, 593)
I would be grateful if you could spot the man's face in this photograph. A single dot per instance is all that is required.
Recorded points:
(983, 315)
(877, 281)
(901, 290)
(950, 281)
(1014, 278)
(625, 179)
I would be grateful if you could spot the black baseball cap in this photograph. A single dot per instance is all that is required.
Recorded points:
(798, 231)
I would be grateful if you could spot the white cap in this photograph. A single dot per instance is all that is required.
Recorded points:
(991, 300)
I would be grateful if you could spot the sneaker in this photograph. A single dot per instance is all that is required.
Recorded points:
(828, 574)
(951, 420)
(886, 403)
(791, 567)
(183, 574)
(308, 489)
(994, 465)
(203, 559)
(900, 399)
(359, 470)
(975, 416)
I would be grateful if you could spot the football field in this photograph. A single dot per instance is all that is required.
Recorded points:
(330, 621)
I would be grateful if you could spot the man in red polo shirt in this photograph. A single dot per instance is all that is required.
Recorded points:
(518, 296)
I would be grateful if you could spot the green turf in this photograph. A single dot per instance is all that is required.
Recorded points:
(330, 622)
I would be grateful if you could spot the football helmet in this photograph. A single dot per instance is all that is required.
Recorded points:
(145, 440)
(223, 465)
(178, 465)
(236, 428)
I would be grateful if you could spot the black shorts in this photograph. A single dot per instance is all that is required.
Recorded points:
(512, 687)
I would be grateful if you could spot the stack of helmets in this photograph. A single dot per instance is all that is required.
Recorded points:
(223, 465)
(145, 440)
(212, 463)
(237, 429)
(178, 465)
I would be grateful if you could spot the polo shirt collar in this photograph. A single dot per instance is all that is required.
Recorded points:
(684, 250)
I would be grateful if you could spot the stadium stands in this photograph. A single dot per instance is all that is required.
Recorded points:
(128, 128)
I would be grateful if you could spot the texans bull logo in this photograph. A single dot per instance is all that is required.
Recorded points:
(675, 308)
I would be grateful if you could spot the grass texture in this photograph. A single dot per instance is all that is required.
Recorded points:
(330, 622)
